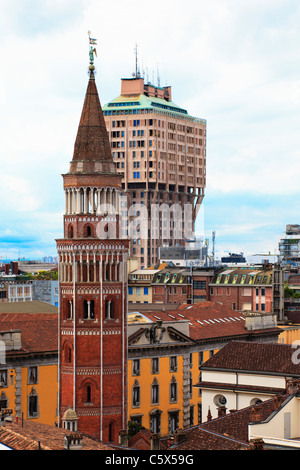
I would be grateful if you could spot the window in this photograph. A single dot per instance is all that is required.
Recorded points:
(200, 358)
(3, 400)
(145, 290)
(173, 421)
(33, 374)
(138, 291)
(136, 367)
(199, 284)
(173, 363)
(155, 365)
(220, 400)
(155, 422)
(3, 378)
(130, 290)
(109, 309)
(68, 353)
(136, 399)
(33, 404)
(88, 394)
(88, 309)
(155, 392)
(173, 390)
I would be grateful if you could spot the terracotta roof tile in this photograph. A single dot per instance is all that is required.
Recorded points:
(39, 330)
(27, 437)
(229, 432)
(208, 320)
(255, 356)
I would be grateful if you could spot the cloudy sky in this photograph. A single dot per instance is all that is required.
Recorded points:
(234, 63)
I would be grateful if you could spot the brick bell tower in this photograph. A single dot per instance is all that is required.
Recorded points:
(92, 280)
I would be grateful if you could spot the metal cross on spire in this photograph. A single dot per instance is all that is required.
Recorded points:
(92, 52)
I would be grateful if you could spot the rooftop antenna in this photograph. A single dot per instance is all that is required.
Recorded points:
(158, 78)
(137, 73)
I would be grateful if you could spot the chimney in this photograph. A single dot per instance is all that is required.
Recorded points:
(179, 436)
(256, 444)
(277, 400)
(73, 441)
(255, 414)
(155, 442)
(292, 386)
(123, 438)
(221, 411)
(209, 416)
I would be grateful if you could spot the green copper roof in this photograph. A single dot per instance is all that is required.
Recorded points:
(134, 103)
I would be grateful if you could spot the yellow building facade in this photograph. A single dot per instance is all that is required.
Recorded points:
(28, 364)
(162, 374)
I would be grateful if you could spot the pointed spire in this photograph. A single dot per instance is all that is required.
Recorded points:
(92, 151)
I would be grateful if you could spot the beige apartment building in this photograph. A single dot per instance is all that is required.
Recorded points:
(160, 150)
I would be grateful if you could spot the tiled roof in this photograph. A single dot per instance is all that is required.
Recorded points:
(203, 439)
(34, 306)
(207, 320)
(255, 357)
(38, 331)
(229, 432)
(27, 437)
(92, 142)
(243, 276)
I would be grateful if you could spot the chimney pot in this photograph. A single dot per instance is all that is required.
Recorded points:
(256, 444)
(256, 413)
(155, 442)
(179, 436)
(221, 411)
(73, 441)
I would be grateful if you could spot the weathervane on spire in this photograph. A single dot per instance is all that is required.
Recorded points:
(92, 51)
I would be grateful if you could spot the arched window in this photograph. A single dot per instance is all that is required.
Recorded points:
(88, 309)
(68, 353)
(155, 392)
(88, 394)
(109, 309)
(173, 390)
(70, 231)
(111, 432)
(87, 231)
(107, 272)
(136, 394)
(220, 400)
